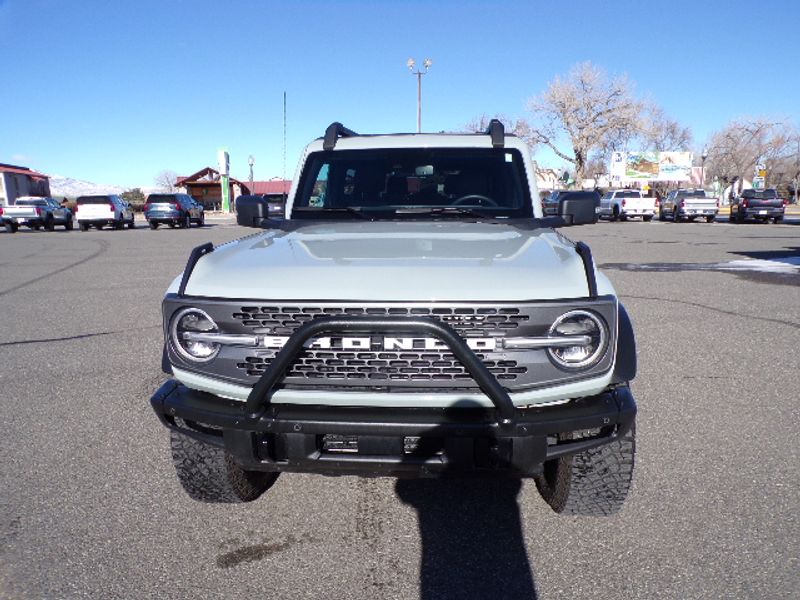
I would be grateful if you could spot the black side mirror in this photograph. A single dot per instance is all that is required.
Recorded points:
(579, 208)
(253, 211)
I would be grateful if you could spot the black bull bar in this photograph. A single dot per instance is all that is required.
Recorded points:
(520, 435)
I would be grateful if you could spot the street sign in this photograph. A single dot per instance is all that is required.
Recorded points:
(758, 183)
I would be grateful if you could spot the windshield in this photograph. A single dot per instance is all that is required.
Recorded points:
(390, 182)
(162, 198)
(692, 194)
(93, 200)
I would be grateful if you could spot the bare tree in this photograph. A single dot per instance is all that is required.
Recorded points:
(586, 110)
(735, 150)
(166, 180)
(663, 134)
(519, 127)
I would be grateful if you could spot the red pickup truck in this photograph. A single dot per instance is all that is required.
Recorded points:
(761, 205)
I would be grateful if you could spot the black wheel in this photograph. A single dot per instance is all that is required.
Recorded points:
(594, 482)
(83, 226)
(153, 224)
(119, 224)
(615, 214)
(132, 224)
(171, 225)
(209, 474)
(99, 226)
(661, 216)
(711, 219)
(676, 218)
(186, 222)
(68, 225)
(202, 220)
(777, 220)
(11, 227)
(37, 226)
(647, 218)
(50, 224)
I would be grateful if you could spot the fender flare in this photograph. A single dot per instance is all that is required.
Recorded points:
(625, 360)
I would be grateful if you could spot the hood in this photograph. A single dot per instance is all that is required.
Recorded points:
(424, 261)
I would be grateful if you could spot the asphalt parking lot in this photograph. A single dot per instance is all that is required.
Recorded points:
(90, 506)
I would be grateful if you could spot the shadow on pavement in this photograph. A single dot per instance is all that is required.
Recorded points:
(472, 539)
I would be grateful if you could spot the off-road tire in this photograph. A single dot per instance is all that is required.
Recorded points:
(592, 483)
(209, 474)
(11, 227)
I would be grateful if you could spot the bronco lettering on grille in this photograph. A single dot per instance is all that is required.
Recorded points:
(276, 342)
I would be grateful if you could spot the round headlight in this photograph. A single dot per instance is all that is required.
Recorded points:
(579, 323)
(188, 327)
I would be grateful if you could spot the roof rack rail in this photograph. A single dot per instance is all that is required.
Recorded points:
(333, 133)
(498, 132)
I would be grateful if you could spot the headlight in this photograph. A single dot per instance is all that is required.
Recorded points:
(186, 333)
(579, 323)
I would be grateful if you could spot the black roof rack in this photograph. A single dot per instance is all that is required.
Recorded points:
(333, 133)
(498, 133)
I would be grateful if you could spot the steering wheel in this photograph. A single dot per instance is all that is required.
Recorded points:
(470, 197)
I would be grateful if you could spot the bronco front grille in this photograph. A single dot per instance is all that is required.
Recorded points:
(377, 366)
(467, 321)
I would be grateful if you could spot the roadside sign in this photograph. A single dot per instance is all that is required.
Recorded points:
(758, 183)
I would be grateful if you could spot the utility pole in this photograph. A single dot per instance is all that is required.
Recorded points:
(426, 64)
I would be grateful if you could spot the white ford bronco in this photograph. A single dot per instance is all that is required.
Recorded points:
(415, 314)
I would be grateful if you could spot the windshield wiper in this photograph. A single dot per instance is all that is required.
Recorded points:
(442, 210)
(350, 210)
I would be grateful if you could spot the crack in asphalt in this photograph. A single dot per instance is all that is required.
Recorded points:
(74, 337)
(715, 309)
(103, 246)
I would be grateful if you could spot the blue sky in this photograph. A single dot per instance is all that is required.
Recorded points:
(113, 92)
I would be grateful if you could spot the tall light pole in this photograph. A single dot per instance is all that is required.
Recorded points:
(426, 64)
(251, 161)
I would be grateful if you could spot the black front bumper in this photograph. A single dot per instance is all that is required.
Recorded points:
(395, 441)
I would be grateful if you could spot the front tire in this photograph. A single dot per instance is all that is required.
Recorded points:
(209, 474)
(592, 483)
(11, 227)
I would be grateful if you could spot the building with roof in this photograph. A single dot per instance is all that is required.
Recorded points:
(16, 181)
(204, 186)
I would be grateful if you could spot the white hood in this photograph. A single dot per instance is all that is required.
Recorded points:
(395, 261)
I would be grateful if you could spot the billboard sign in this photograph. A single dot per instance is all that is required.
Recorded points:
(651, 166)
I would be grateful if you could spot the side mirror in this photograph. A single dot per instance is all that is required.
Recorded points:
(253, 211)
(579, 208)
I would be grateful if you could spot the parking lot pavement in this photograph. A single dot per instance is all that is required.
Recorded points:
(90, 506)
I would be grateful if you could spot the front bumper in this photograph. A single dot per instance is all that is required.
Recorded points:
(398, 442)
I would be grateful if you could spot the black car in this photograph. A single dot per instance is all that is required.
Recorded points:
(175, 210)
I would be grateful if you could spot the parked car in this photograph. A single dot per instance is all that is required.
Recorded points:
(36, 212)
(761, 205)
(622, 204)
(179, 210)
(690, 205)
(98, 211)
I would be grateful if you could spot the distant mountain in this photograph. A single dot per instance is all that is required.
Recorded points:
(66, 186)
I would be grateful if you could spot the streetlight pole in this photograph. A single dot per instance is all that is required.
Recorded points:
(426, 64)
(251, 161)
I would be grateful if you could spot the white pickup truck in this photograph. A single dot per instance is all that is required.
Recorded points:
(619, 205)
